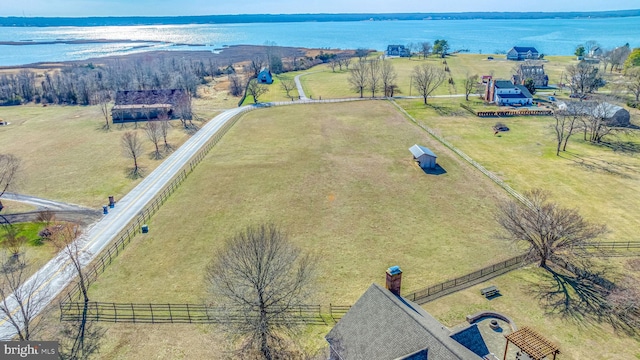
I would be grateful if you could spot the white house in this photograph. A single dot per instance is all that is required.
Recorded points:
(523, 53)
(425, 157)
(503, 92)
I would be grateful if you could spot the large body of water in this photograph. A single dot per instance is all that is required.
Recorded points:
(549, 36)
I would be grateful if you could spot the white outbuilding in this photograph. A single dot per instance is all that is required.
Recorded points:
(425, 157)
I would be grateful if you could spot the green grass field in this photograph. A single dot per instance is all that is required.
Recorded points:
(339, 179)
(322, 81)
(67, 156)
(599, 181)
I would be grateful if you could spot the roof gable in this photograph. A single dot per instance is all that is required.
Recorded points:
(525, 49)
(383, 326)
(418, 151)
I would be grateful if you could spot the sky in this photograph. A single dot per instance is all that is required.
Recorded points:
(80, 8)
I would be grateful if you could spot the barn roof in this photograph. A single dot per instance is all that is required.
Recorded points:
(418, 151)
(150, 97)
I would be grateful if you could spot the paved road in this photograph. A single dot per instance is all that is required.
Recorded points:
(303, 96)
(52, 278)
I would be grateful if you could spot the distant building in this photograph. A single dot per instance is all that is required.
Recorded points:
(595, 52)
(535, 72)
(264, 77)
(503, 92)
(523, 53)
(614, 115)
(424, 156)
(383, 325)
(142, 105)
(398, 50)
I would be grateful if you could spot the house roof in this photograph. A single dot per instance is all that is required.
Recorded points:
(418, 151)
(504, 84)
(150, 97)
(524, 91)
(472, 339)
(524, 49)
(381, 325)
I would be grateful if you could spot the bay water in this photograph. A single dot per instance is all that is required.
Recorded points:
(549, 36)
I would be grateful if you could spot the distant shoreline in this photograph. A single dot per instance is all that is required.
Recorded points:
(273, 18)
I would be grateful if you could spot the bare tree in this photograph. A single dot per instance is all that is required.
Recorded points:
(373, 72)
(550, 231)
(22, 297)
(618, 55)
(333, 63)
(584, 78)
(9, 171)
(165, 127)
(470, 84)
(624, 301)
(132, 148)
(344, 61)
(358, 76)
(425, 49)
(566, 123)
(427, 78)
(236, 87)
(388, 77)
(81, 338)
(255, 89)
(288, 85)
(103, 98)
(262, 276)
(257, 63)
(154, 134)
(632, 83)
(590, 45)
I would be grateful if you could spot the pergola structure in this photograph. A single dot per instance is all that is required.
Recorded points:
(532, 343)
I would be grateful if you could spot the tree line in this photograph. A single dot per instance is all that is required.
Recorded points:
(79, 84)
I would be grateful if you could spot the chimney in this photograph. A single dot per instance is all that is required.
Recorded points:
(394, 279)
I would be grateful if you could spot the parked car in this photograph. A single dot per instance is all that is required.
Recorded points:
(489, 57)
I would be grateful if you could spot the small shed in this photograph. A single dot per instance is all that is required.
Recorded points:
(264, 77)
(425, 157)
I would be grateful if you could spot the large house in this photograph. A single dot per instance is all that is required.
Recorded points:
(503, 92)
(383, 325)
(535, 72)
(141, 105)
(523, 53)
(398, 50)
(613, 115)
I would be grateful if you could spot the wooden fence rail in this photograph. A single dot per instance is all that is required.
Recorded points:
(178, 313)
(124, 238)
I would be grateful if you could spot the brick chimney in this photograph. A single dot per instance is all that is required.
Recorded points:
(394, 279)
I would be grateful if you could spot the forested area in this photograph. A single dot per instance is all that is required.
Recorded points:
(88, 84)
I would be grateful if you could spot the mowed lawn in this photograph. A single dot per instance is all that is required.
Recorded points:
(600, 182)
(340, 180)
(578, 338)
(67, 156)
(321, 81)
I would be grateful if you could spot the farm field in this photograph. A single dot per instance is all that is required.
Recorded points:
(322, 81)
(339, 179)
(67, 156)
(598, 180)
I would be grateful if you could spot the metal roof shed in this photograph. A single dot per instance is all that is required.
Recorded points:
(425, 157)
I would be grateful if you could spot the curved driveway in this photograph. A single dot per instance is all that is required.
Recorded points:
(52, 278)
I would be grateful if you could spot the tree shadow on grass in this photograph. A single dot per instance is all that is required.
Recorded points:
(581, 295)
(624, 147)
(132, 174)
(595, 164)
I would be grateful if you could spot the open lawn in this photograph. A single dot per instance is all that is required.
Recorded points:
(341, 181)
(321, 81)
(67, 156)
(577, 338)
(600, 182)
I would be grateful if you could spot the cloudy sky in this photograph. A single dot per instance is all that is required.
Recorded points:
(213, 7)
